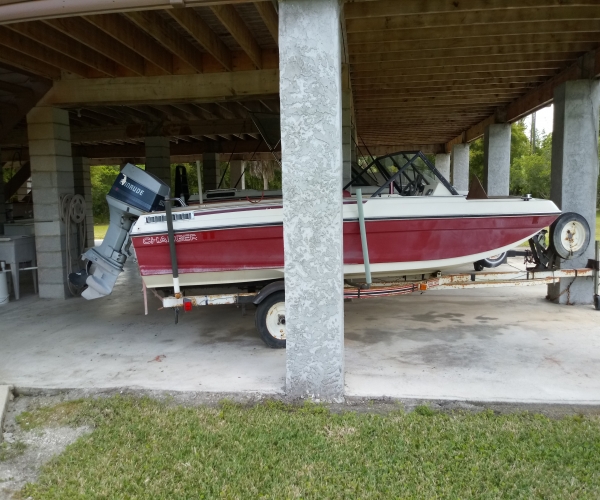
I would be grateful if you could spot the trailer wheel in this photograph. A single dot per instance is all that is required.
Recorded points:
(570, 235)
(493, 261)
(270, 320)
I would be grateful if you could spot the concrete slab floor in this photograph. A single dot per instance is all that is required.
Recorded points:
(501, 344)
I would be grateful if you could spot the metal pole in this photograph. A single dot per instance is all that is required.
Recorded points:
(171, 234)
(596, 278)
(199, 182)
(363, 235)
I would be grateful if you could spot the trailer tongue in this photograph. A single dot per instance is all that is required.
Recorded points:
(133, 193)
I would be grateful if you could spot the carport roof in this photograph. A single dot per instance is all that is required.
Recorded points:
(424, 75)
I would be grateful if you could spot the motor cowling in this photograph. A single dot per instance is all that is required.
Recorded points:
(133, 193)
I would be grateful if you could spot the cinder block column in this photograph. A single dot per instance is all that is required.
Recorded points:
(575, 173)
(211, 170)
(496, 159)
(51, 178)
(236, 167)
(311, 138)
(83, 185)
(347, 130)
(158, 158)
(460, 166)
(442, 163)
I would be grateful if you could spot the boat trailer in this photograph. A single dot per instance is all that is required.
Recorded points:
(270, 300)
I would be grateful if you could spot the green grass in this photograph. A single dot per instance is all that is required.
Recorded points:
(9, 451)
(100, 231)
(141, 449)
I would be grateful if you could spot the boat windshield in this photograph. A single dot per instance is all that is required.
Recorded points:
(407, 173)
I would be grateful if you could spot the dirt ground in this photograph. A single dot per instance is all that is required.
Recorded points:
(42, 444)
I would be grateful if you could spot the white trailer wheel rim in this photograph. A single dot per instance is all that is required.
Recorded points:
(276, 321)
(573, 236)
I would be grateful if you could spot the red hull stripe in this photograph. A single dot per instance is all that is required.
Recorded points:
(401, 240)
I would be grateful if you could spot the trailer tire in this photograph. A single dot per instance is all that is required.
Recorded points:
(270, 320)
(570, 235)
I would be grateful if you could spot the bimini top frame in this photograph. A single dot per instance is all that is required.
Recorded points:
(413, 172)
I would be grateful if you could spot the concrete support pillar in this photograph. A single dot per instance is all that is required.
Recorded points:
(575, 173)
(236, 167)
(496, 159)
(83, 185)
(460, 166)
(442, 163)
(347, 131)
(311, 139)
(211, 170)
(158, 158)
(52, 178)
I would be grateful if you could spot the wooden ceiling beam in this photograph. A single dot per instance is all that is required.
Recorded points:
(382, 106)
(455, 80)
(466, 61)
(373, 99)
(168, 37)
(543, 68)
(482, 17)
(506, 42)
(457, 33)
(210, 87)
(386, 149)
(587, 66)
(15, 41)
(59, 42)
(388, 8)
(270, 17)
(13, 88)
(230, 18)
(131, 36)
(91, 134)
(87, 34)
(196, 27)
(419, 88)
(182, 148)
(490, 53)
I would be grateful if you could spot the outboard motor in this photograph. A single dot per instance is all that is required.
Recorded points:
(133, 193)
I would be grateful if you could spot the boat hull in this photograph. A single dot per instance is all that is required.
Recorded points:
(412, 245)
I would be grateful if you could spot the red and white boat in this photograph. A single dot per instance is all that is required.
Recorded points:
(237, 242)
(425, 227)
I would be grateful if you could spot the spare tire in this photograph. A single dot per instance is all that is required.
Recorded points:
(570, 235)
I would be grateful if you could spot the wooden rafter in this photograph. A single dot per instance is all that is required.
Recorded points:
(385, 8)
(128, 34)
(29, 64)
(454, 34)
(59, 42)
(481, 17)
(164, 34)
(240, 32)
(201, 32)
(270, 17)
(490, 52)
(87, 34)
(13, 40)
(528, 42)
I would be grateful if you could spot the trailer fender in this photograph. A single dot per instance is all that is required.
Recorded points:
(271, 288)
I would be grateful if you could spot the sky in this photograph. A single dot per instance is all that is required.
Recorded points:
(543, 120)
